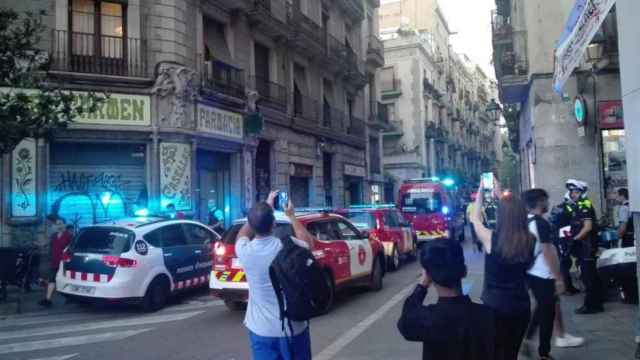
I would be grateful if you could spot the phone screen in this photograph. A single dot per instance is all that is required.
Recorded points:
(487, 181)
(283, 199)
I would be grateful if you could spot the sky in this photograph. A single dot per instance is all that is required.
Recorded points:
(471, 20)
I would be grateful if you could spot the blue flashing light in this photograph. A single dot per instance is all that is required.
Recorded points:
(445, 210)
(448, 182)
(142, 212)
(227, 209)
(105, 198)
(372, 206)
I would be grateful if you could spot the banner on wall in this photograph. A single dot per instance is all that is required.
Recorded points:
(585, 19)
(23, 179)
(175, 175)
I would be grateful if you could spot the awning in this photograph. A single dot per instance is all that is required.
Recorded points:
(585, 19)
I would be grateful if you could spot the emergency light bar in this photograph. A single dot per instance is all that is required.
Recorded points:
(434, 179)
(372, 206)
(314, 209)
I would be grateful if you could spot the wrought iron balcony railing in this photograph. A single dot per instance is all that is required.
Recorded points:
(224, 78)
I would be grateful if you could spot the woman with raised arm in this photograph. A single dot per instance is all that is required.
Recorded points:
(509, 254)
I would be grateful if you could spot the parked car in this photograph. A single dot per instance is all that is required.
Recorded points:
(386, 224)
(140, 260)
(348, 257)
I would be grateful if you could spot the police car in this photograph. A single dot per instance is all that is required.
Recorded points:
(347, 256)
(142, 260)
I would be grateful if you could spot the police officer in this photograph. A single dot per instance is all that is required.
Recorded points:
(560, 218)
(584, 232)
(626, 232)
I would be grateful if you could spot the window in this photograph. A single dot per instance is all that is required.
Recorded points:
(387, 79)
(322, 231)
(391, 220)
(198, 235)
(422, 201)
(346, 231)
(103, 240)
(173, 235)
(361, 219)
(215, 41)
(154, 239)
(97, 28)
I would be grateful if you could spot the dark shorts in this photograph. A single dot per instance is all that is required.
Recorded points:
(51, 275)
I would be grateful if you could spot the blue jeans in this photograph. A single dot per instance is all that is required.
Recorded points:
(277, 348)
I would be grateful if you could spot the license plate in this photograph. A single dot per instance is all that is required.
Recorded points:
(80, 289)
(235, 263)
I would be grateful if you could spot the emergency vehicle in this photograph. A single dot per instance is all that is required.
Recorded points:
(140, 260)
(425, 204)
(385, 223)
(346, 255)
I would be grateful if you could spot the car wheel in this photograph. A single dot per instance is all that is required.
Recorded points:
(375, 283)
(394, 260)
(331, 295)
(235, 305)
(155, 298)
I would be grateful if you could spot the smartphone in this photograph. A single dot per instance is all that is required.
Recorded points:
(487, 181)
(283, 199)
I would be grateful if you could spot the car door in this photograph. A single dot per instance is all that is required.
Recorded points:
(394, 231)
(334, 252)
(406, 231)
(178, 255)
(200, 239)
(360, 251)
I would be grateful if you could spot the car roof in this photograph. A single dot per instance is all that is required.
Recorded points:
(143, 223)
(281, 218)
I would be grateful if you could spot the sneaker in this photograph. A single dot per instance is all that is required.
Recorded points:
(45, 303)
(569, 340)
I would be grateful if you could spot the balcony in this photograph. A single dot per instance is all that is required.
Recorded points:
(336, 54)
(352, 9)
(306, 109)
(223, 78)
(231, 5)
(98, 54)
(269, 17)
(271, 93)
(391, 89)
(354, 69)
(308, 36)
(333, 118)
(428, 88)
(375, 52)
(501, 28)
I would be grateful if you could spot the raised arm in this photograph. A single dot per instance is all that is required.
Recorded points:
(299, 230)
(483, 233)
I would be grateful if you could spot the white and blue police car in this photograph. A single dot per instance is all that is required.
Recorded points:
(140, 260)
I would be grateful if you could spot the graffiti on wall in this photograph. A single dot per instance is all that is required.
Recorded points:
(175, 175)
(23, 179)
(83, 197)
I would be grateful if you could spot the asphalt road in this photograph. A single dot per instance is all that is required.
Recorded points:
(362, 325)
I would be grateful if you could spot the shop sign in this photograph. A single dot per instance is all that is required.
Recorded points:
(300, 170)
(585, 19)
(580, 110)
(23, 179)
(354, 170)
(116, 109)
(219, 122)
(175, 175)
(610, 115)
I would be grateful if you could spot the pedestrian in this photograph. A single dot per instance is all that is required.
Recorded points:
(256, 248)
(584, 232)
(509, 254)
(173, 213)
(626, 231)
(544, 277)
(474, 237)
(58, 242)
(561, 218)
(454, 328)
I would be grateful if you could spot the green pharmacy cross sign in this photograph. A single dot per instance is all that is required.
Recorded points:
(580, 110)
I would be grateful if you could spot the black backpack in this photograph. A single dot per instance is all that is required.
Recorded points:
(299, 283)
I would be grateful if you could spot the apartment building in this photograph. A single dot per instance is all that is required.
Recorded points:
(211, 104)
(435, 99)
(578, 133)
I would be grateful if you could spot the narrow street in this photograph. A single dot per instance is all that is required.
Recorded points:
(362, 325)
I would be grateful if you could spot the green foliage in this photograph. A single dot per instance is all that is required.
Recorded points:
(23, 111)
(509, 171)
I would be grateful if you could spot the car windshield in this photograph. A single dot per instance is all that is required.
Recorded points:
(421, 201)
(361, 219)
(103, 240)
(281, 230)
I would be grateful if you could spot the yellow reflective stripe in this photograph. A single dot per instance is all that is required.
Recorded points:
(238, 276)
(224, 276)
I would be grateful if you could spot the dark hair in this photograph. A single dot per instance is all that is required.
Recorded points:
(261, 218)
(444, 262)
(624, 193)
(533, 197)
(70, 227)
(515, 242)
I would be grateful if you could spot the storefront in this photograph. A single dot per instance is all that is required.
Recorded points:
(300, 176)
(353, 184)
(213, 173)
(90, 183)
(611, 123)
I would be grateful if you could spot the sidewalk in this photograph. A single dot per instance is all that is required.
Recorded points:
(27, 303)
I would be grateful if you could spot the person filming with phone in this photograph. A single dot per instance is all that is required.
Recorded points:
(509, 254)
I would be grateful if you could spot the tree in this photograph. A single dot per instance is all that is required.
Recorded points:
(30, 105)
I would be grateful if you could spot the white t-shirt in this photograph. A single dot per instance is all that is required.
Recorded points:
(623, 213)
(263, 313)
(540, 267)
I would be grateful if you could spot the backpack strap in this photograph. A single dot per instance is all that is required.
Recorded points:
(278, 290)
